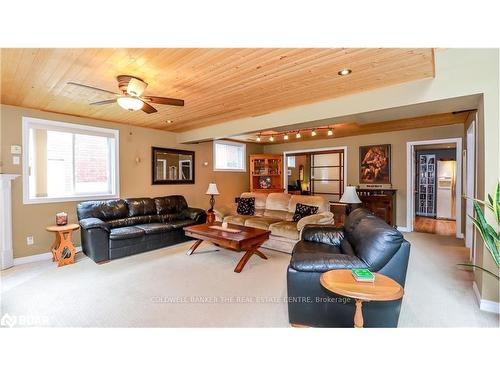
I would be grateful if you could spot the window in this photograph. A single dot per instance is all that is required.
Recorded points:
(68, 162)
(290, 161)
(229, 156)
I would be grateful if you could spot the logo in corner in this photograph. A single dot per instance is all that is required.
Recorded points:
(8, 321)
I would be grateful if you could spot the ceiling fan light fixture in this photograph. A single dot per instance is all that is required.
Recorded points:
(344, 72)
(130, 103)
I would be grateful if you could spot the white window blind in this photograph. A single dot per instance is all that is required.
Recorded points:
(229, 156)
(64, 162)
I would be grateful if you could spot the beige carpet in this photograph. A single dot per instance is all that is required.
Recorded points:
(166, 288)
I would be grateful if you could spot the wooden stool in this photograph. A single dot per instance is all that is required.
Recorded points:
(63, 250)
(342, 282)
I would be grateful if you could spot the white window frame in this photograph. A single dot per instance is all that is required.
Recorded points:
(243, 145)
(31, 122)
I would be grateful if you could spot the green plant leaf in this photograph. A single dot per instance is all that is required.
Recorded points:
(479, 267)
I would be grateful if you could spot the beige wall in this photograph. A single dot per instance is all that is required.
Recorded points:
(398, 146)
(135, 178)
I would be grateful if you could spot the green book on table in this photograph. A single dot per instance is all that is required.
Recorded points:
(363, 274)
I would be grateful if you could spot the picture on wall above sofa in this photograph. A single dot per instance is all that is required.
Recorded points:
(375, 164)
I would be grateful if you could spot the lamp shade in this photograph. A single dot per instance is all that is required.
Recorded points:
(350, 195)
(212, 189)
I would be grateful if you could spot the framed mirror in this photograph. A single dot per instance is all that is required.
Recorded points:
(171, 166)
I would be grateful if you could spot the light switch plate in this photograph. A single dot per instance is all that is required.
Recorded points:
(15, 149)
(16, 160)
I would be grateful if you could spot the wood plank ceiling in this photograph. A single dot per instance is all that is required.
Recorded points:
(217, 85)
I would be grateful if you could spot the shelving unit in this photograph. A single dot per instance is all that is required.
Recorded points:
(426, 185)
(266, 173)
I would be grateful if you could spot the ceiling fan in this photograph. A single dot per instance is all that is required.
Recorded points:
(131, 97)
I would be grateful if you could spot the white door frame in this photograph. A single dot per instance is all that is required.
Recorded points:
(286, 153)
(470, 188)
(410, 181)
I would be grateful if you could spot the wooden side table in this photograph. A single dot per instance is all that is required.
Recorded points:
(63, 250)
(343, 283)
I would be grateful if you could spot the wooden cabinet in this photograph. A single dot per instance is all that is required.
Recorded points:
(266, 173)
(381, 202)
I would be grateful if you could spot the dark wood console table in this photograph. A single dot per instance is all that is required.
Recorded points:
(382, 202)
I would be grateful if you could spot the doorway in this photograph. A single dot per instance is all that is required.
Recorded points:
(434, 187)
(316, 172)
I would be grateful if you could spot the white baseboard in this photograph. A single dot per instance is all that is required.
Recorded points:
(484, 304)
(460, 235)
(403, 229)
(37, 257)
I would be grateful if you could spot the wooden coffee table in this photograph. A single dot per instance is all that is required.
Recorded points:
(343, 283)
(247, 240)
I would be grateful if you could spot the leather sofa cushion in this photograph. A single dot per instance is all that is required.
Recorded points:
(128, 221)
(178, 224)
(286, 229)
(168, 218)
(320, 257)
(373, 240)
(125, 233)
(172, 204)
(105, 210)
(260, 222)
(236, 219)
(154, 228)
(141, 206)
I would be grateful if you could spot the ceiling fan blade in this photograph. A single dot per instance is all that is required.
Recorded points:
(147, 108)
(91, 87)
(104, 102)
(162, 100)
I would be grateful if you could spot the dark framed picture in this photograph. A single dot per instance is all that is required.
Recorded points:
(171, 166)
(375, 164)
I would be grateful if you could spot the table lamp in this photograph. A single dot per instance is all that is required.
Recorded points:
(212, 190)
(350, 197)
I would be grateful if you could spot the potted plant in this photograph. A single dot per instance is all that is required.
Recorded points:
(489, 233)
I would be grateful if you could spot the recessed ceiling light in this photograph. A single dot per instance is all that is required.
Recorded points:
(169, 121)
(344, 72)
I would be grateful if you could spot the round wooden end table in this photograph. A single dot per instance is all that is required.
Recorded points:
(342, 282)
(63, 250)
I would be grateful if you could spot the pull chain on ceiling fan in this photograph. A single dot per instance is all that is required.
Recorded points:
(131, 98)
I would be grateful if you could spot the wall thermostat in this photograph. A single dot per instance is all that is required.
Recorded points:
(15, 149)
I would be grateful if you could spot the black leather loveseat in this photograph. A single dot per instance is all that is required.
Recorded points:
(364, 242)
(116, 228)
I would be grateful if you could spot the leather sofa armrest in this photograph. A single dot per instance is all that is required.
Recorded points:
(95, 239)
(222, 211)
(93, 223)
(196, 214)
(323, 233)
(321, 218)
(309, 262)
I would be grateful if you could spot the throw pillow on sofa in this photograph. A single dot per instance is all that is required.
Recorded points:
(303, 210)
(246, 206)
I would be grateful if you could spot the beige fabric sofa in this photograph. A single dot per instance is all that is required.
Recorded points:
(274, 212)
